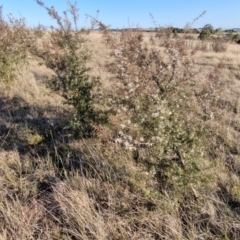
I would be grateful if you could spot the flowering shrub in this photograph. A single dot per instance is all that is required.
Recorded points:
(145, 83)
(154, 97)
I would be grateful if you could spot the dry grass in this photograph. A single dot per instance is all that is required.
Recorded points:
(54, 186)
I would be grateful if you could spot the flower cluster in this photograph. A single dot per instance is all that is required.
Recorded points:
(146, 80)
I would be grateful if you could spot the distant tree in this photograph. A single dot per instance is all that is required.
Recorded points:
(208, 27)
(230, 31)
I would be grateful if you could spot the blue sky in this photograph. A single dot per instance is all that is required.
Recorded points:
(124, 13)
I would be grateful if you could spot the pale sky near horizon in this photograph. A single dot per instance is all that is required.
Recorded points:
(132, 13)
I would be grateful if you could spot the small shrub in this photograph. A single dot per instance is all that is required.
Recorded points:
(231, 37)
(15, 40)
(205, 34)
(236, 38)
(66, 54)
(219, 46)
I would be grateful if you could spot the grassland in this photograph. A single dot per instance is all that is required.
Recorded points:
(122, 182)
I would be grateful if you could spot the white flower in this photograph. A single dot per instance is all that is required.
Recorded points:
(122, 126)
(117, 52)
(155, 96)
(131, 148)
(118, 140)
(120, 133)
(135, 142)
(155, 114)
(130, 138)
(211, 116)
(141, 139)
(131, 90)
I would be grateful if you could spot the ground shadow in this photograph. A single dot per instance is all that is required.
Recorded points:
(25, 128)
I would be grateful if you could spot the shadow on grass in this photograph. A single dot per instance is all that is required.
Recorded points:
(25, 128)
